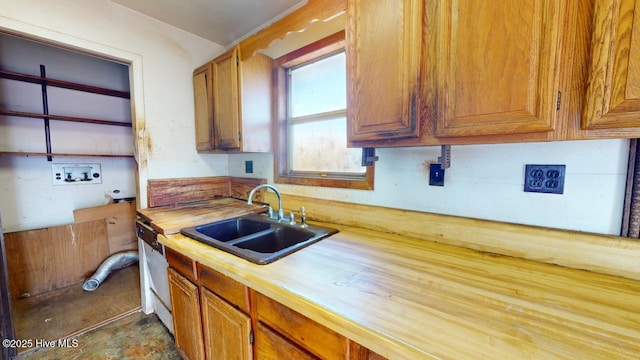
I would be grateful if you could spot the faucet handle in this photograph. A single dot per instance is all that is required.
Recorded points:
(269, 210)
(303, 217)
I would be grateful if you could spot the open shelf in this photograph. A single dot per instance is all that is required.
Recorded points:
(64, 118)
(45, 82)
(18, 153)
(63, 84)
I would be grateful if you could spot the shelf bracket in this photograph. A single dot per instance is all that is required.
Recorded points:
(45, 109)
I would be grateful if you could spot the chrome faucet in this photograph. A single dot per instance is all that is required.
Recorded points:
(262, 186)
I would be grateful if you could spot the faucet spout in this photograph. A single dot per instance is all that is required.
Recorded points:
(267, 186)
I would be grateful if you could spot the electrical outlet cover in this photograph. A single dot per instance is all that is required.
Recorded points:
(436, 175)
(544, 178)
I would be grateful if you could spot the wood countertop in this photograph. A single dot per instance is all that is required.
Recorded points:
(171, 218)
(407, 298)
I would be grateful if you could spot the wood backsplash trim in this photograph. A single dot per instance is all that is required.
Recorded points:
(161, 192)
(175, 191)
(604, 254)
(241, 187)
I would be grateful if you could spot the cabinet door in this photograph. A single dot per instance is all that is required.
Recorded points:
(226, 111)
(225, 287)
(271, 345)
(187, 326)
(203, 102)
(256, 96)
(497, 66)
(300, 330)
(383, 62)
(359, 352)
(227, 331)
(613, 94)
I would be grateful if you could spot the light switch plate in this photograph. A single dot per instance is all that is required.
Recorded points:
(76, 174)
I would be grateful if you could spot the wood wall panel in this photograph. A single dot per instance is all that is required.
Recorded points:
(55, 257)
(120, 217)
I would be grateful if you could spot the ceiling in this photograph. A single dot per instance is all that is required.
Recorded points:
(221, 21)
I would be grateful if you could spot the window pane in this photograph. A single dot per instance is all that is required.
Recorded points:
(319, 87)
(322, 146)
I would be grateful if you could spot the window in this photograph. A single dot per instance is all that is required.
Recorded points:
(312, 119)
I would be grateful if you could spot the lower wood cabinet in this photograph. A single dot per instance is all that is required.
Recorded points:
(271, 345)
(216, 317)
(227, 331)
(306, 333)
(187, 323)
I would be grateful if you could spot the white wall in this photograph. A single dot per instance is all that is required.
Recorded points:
(486, 182)
(28, 198)
(162, 60)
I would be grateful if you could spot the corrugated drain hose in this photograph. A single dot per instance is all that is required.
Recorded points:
(113, 262)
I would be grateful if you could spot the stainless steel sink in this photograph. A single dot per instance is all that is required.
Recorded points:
(232, 229)
(256, 237)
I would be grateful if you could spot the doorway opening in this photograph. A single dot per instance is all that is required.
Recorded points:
(52, 244)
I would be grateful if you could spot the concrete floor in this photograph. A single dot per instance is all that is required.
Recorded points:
(71, 311)
(136, 336)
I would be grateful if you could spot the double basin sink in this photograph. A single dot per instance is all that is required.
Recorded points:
(257, 238)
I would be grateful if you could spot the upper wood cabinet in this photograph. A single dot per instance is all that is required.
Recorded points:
(498, 66)
(233, 103)
(203, 102)
(383, 69)
(496, 72)
(226, 112)
(484, 72)
(256, 95)
(613, 92)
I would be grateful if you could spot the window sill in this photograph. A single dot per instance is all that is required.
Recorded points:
(358, 184)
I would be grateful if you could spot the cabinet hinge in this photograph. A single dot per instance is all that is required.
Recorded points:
(251, 337)
(239, 136)
(237, 60)
(558, 100)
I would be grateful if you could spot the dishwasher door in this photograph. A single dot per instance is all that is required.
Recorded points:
(154, 281)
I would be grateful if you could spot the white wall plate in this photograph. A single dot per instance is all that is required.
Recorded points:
(76, 174)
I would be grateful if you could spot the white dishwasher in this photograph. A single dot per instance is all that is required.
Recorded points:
(154, 282)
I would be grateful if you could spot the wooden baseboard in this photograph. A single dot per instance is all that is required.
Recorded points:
(605, 254)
